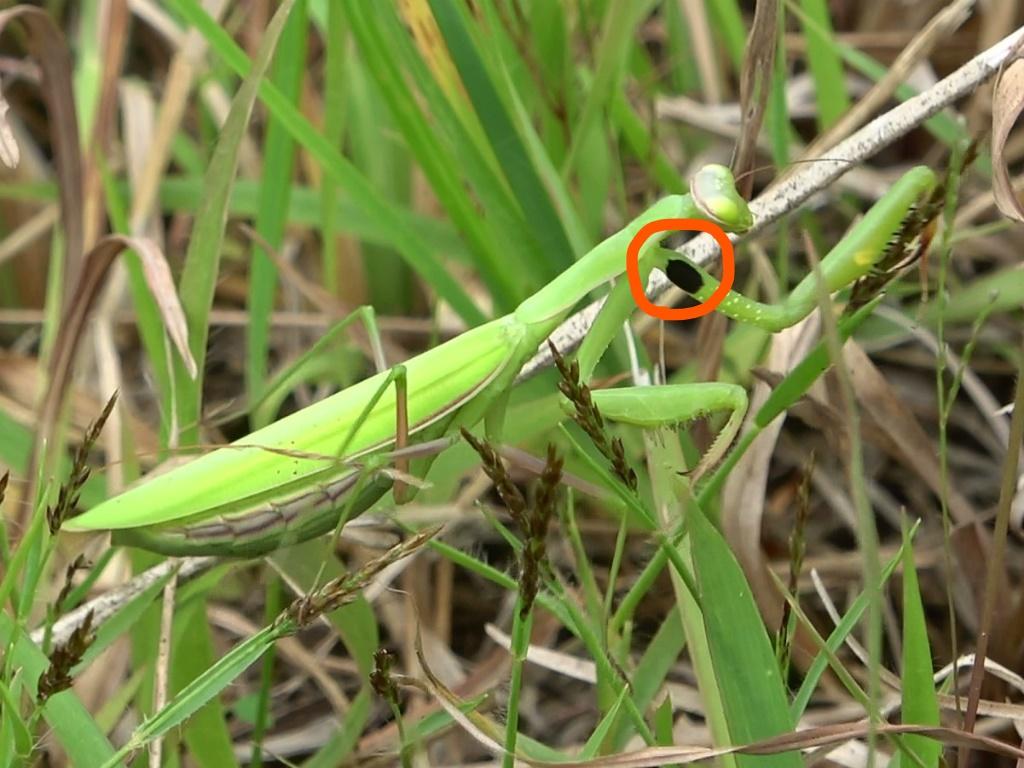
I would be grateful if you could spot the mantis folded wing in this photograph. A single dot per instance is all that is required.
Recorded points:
(296, 478)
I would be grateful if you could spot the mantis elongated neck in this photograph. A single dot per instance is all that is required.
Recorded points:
(552, 303)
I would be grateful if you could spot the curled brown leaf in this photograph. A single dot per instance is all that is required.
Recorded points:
(10, 155)
(1007, 103)
(46, 44)
(96, 265)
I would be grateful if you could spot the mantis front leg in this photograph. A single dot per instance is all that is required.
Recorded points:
(676, 404)
(853, 258)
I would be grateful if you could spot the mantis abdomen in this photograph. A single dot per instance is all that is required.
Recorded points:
(264, 526)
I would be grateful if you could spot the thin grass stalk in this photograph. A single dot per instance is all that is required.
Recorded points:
(584, 572)
(522, 625)
(867, 530)
(997, 560)
(272, 608)
(605, 669)
(942, 394)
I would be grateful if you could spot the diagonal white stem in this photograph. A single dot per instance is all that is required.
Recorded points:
(794, 190)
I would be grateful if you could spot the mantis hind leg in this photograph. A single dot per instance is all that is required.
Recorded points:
(666, 405)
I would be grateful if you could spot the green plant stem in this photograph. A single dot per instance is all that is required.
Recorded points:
(522, 624)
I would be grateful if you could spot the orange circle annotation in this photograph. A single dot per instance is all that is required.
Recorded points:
(636, 286)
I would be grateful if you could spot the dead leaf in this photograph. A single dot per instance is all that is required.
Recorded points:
(47, 46)
(9, 152)
(97, 264)
(743, 500)
(1007, 103)
(755, 85)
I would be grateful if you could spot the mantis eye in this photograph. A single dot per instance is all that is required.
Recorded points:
(713, 190)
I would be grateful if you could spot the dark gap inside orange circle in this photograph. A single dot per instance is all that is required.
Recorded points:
(679, 225)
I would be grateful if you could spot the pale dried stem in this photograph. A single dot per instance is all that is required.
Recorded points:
(788, 195)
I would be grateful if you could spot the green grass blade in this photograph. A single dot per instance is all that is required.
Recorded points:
(178, 193)
(64, 712)
(683, 76)
(1001, 291)
(826, 65)
(378, 150)
(552, 180)
(149, 321)
(603, 730)
(620, 21)
(15, 447)
(776, 111)
(658, 659)
(920, 705)
(942, 126)
(835, 639)
(334, 126)
(753, 694)
(88, 77)
(371, 202)
(727, 21)
(447, 154)
(278, 162)
(15, 737)
(202, 690)
(345, 739)
(122, 621)
(554, 251)
(192, 657)
(644, 146)
(664, 458)
(202, 260)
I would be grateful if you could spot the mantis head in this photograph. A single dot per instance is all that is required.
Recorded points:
(713, 190)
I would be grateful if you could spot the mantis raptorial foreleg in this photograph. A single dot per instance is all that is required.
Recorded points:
(675, 404)
(291, 480)
(667, 405)
(652, 407)
(851, 259)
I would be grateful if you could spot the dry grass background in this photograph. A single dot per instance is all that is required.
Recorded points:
(150, 89)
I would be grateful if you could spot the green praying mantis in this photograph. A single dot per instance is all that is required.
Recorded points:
(307, 473)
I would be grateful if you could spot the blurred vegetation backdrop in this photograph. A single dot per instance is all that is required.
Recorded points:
(439, 161)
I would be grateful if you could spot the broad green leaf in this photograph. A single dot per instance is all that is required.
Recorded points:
(202, 261)
(920, 705)
(278, 163)
(69, 721)
(753, 694)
